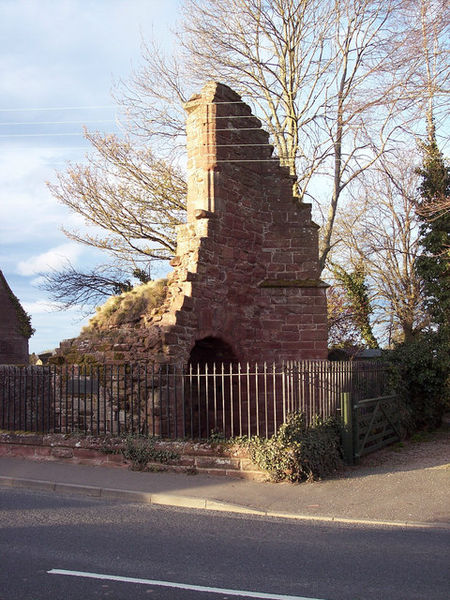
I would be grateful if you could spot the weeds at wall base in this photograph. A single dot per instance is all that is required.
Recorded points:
(141, 450)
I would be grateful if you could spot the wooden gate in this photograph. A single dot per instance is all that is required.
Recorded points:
(370, 425)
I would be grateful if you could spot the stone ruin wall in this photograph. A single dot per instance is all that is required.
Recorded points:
(13, 345)
(246, 269)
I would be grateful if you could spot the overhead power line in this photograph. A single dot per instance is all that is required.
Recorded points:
(56, 122)
(50, 108)
(27, 148)
(22, 135)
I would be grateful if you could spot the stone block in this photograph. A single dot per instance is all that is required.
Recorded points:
(42, 452)
(22, 451)
(85, 453)
(216, 462)
(249, 475)
(31, 439)
(115, 459)
(61, 452)
(216, 472)
(185, 461)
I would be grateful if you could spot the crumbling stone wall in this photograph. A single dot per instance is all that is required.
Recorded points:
(13, 341)
(246, 273)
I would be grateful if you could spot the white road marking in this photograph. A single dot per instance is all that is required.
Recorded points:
(182, 586)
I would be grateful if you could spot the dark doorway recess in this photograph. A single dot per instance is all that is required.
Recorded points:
(210, 384)
(211, 350)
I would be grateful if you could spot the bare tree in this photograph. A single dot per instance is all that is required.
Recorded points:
(132, 199)
(152, 99)
(131, 202)
(277, 55)
(380, 228)
(343, 331)
(423, 51)
(436, 208)
(316, 73)
(330, 79)
(70, 287)
(428, 48)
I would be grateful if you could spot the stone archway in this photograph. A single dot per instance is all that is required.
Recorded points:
(212, 350)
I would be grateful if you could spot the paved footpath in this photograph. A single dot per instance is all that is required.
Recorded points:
(406, 487)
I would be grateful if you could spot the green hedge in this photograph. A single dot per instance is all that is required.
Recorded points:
(420, 375)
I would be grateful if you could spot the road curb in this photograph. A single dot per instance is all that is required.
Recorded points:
(163, 499)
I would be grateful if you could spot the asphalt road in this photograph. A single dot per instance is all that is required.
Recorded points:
(54, 547)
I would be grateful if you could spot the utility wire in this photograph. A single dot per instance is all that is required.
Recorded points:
(246, 160)
(234, 145)
(230, 117)
(50, 108)
(22, 135)
(39, 108)
(55, 122)
(59, 148)
(234, 129)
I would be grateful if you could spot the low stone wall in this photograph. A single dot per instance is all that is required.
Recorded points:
(209, 459)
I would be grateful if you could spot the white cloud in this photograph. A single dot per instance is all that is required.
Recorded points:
(63, 53)
(29, 212)
(54, 258)
(40, 307)
(16, 75)
(37, 281)
(72, 48)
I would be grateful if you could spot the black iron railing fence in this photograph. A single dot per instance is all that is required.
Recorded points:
(179, 402)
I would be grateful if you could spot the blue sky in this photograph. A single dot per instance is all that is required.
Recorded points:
(58, 65)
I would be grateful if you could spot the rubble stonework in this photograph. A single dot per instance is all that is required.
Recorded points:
(245, 283)
(13, 342)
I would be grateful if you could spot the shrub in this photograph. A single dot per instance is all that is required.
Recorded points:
(420, 374)
(298, 452)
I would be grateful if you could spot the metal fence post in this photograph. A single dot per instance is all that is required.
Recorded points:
(347, 429)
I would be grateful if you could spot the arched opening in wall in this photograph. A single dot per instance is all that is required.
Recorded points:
(211, 389)
(211, 350)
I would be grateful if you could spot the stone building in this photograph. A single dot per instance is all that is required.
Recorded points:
(15, 327)
(245, 284)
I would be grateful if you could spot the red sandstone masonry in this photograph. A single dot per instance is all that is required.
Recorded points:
(244, 214)
(13, 345)
(209, 459)
(246, 269)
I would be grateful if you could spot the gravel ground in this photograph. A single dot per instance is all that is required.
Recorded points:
(422, 451)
